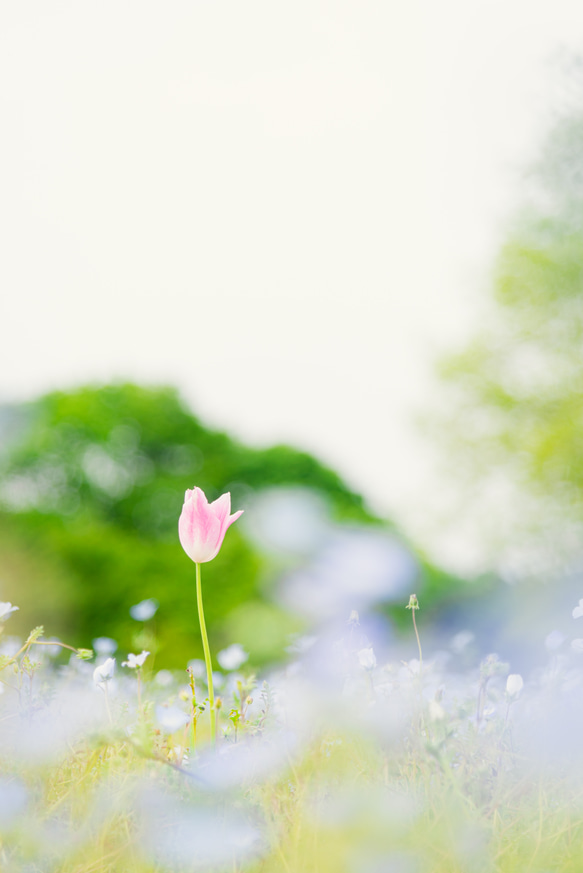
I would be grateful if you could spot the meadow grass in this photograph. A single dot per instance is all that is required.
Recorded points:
(325, 766)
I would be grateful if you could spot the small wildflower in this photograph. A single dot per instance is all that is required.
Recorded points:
(367, 659)
(514, 685)
(196, 666)
(171, 718)
(105, 671)
(144, 610)
(577, 647)
(232, 657)
(104, 645)
(577, 612)
(135, 661)
(6, 610)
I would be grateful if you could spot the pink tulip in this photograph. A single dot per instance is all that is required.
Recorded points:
(202, 525)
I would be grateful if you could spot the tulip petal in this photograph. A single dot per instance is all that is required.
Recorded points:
(202, 526)
(222, 507)
(234, 517)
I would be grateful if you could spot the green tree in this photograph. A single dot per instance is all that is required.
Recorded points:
(92, 487)
(518, 386)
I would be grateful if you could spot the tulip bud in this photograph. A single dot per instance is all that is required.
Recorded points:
(202, 525)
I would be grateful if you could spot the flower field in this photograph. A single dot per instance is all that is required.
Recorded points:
(335, 762)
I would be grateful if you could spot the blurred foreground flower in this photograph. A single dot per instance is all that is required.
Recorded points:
(144, 610)
(514, 684)
(104, 645)
(202, 525)
(171, 718)
(103, 673)
(135, 661)
(6, 609)
(232, 657)
(367, 659)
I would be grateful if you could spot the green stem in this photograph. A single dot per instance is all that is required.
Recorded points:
(207, 652)
(418, 643)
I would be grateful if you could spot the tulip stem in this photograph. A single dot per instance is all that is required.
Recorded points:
(207, 653)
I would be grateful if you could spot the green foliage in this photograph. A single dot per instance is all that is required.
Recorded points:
(94, 487)
(519, 384)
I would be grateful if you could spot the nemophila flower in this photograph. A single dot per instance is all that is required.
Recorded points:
(577, 647)
(578, 611)
(135, 661)
(514, 684)
(6, 610)
(367, 659)
(202, 525)
(105, 671)
(196, 665)
(171, 718)
(144, 610)
(232, 657)
(104, 645)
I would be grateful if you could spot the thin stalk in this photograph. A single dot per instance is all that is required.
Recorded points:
(207, 652)
(107, 704)
(194, 715)
(418, 643)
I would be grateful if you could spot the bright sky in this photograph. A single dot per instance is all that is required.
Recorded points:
(286, 209)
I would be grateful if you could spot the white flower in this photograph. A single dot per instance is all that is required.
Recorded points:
(577, 647)
(232, 657)
(578, 611)
(104, 672)
(366, 658)
(514, 684)
(135, 661)
(6, 609)
(171, 718)
(144, 610)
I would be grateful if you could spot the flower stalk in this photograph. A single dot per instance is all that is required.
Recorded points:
(413, 605)
(207, 652)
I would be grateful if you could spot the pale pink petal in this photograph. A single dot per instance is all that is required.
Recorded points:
(202, 526)
(198, 529)
(222, 507)
(234, 517)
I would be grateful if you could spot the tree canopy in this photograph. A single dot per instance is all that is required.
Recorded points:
(519, 383)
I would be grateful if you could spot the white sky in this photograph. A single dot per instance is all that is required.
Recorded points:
(286, 209)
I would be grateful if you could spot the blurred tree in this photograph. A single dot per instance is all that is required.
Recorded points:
(92, 486)
(519, 384)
